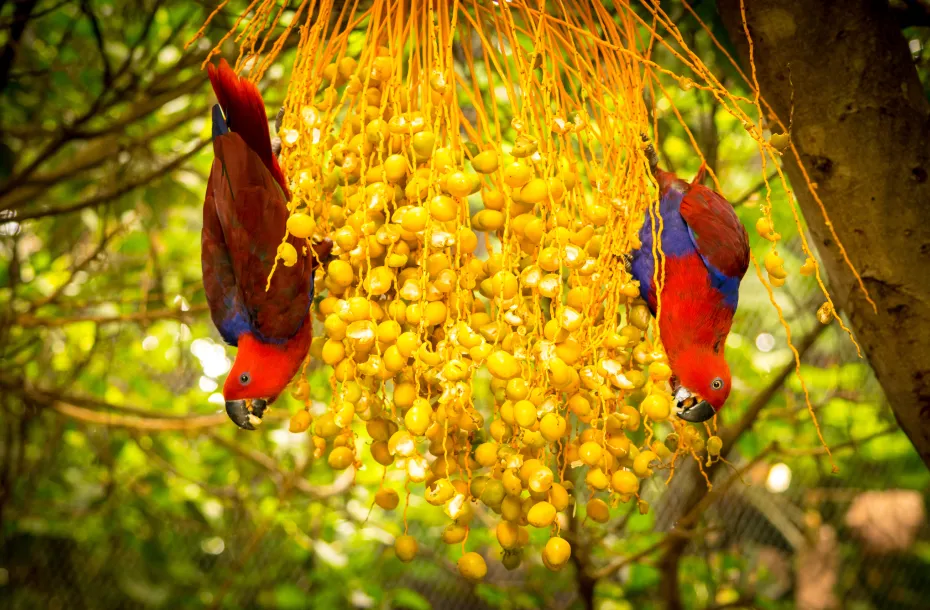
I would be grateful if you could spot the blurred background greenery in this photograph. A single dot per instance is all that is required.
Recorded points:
(123, 485)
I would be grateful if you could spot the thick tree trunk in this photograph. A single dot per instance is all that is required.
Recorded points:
(861, 125)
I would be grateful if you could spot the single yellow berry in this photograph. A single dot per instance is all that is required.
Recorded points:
(557, 552)
(598, 510)
(301, 225)
(552, 426)
(341, 273)
(486, 162)
(472, 566)
(405, 547)
(656, 407)
(780, 141)
(288, 254)
(508, 535)
(300, 421)
(641, 463)
(809, 267)
(387, 499)
(766, 229)
(517, 174)
(624, 482)
(542, 514)
(524, 413)
(590, 453)
(774, 264)
(341, 458)
(503, 365)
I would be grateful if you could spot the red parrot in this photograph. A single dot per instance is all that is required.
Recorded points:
(706, 256)
(244, 217)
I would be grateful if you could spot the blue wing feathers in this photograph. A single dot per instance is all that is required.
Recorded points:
(219, 122)
(722, 238)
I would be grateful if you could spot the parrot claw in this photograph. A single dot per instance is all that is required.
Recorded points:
(247, 414)
(692, 408)
(322, 250)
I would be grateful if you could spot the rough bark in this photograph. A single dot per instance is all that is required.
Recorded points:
(861, 128)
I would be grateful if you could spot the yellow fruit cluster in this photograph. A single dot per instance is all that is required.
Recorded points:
(463, 257)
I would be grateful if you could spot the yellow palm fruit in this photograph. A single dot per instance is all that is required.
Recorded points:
(556, 553)
(461, 184)
(300, 421)
(341, 458)
(641, 463)
(590, 453)
(552, 426)
(596, 479)
(503, 365)
(780, 141)
(487, 220)
(558, 496)
(300, 225)
(472, 566)
(542, 514)
(766, 229)
(714, 445)
(540, 480)
(486, 162)
(597, 510)
(418, 417)
(656, 407)
(624, 482)
(508, 535)
(387, 499)
(395, 168)
(288, 254)
(517, 174)
(405, 547)
(809, 267)
(439, 492)
(774, 264)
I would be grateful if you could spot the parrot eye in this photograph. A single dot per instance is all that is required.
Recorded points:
(245, 378)
(717, 383)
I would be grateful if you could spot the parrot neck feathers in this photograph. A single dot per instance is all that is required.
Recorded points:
(270, 367)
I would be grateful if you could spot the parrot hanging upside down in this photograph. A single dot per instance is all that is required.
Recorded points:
(706, 256)
(244, 217)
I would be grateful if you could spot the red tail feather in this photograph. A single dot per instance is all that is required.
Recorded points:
(245, 115)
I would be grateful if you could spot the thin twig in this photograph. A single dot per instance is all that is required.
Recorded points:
(26, 321)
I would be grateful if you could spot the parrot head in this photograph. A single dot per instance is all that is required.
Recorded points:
(260, 373)
(702, 384)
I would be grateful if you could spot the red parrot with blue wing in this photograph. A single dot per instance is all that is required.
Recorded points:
(244, 217)
(706, 252)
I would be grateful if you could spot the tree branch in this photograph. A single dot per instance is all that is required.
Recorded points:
(98, 38)
(22, 14)
(341, 484)
(27, 321)
(124, 189)
(151, 424)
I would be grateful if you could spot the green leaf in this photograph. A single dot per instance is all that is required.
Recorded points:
(409, 599)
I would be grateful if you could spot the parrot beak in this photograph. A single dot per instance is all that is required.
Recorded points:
(247, 414)
(691, 407)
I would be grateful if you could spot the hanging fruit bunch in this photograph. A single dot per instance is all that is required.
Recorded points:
(480, 169)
